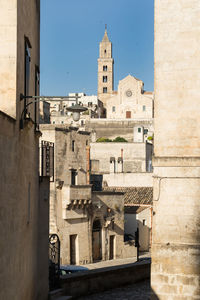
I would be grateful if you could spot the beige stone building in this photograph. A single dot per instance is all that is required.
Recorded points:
(90, 223)
(130, 101)
(175, 272)
(24, 197)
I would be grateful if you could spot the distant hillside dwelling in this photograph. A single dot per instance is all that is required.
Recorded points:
(130, 101)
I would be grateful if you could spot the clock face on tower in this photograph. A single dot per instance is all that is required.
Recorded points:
(128, 93)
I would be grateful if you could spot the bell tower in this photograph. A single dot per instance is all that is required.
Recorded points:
(105, 69)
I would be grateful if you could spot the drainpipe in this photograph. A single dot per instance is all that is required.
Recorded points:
(122, 154)
(88, 164)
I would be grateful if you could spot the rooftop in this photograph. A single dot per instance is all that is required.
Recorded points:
(134, 196)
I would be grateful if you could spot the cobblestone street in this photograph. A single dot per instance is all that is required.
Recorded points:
(137, 291)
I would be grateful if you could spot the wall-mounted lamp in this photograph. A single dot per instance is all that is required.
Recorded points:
(75, 109)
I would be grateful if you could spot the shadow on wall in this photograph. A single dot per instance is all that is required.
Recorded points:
(153, 296)
(144, 236)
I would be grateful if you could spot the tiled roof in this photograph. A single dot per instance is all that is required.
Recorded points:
(134, 195)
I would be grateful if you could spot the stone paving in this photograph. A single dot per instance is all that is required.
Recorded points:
(116, 262)
(136, 291)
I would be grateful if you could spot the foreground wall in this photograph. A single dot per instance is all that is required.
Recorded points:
(99, 280)
(23, 200)
(176, 225)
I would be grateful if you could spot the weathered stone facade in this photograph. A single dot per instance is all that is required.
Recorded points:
(130, 101)
(90, 224)
(118, 157)
(110, 128)
(175, 272)
(24, 199)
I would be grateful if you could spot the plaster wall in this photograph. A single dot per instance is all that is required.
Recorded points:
(129, 179)
(144, 225)
(134, 156)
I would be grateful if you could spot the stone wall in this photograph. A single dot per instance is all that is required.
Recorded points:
(110, 128)
(24, 214)
(73, 221)
(133, 154)
(176, 223)
(93, 281)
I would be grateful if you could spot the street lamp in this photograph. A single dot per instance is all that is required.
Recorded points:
(75, 109)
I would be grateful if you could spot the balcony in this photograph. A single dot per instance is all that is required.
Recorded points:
(76, 198)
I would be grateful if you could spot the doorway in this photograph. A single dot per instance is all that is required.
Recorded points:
(112, 246)
(96, 241)
(73, 250)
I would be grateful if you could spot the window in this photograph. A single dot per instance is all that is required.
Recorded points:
(27, 66)
(144, 108)
(145, 131)
(86, 142)
(144, 222)
(73, 176)
(128, 114)
(105, 78)
(53, 122)
(139, 129)
(105, 68)
(105, 51)
(113, 109)
(73, 144)
(105, 90)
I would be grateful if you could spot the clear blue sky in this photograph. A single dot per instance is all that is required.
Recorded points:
(70, 34)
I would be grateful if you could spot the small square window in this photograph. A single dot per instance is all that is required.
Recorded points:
(105, 68)
(105, 90)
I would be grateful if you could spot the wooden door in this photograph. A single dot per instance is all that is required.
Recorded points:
(73, 249)
(112, 238)
(128, 114)
(96, 241)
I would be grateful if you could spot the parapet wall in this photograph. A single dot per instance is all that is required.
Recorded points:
(93, 281)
